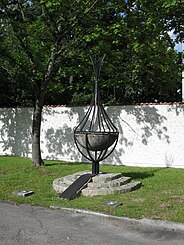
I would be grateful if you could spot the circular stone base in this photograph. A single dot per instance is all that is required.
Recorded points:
(101, 184)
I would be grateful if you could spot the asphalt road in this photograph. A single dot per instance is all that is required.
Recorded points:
(28, 225)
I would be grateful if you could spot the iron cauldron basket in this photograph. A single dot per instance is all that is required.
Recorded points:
(96, 141)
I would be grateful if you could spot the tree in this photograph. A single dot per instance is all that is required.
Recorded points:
(141, 65)
(174, 17)
(43, 31)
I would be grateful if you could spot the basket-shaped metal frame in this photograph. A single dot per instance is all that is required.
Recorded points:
(96, 136)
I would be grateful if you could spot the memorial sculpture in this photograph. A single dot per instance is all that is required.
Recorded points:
(96, 136)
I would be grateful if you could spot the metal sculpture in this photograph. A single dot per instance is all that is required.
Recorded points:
(96, 136)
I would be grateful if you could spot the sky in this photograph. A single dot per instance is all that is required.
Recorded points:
(178, 47)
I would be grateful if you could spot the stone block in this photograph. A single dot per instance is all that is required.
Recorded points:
(126, 188)
(112, 183)
(104, 177)
(96, 192)
(59, 185)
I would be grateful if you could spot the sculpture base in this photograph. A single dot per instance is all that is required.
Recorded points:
(101, 184)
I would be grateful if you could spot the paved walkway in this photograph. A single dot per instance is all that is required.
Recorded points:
(28, 225)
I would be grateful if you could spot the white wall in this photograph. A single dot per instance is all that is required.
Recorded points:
(150, 135)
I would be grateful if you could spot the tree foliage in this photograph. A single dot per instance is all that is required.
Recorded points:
(140, 65)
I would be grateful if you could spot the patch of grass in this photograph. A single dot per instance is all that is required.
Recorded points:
(160, 197)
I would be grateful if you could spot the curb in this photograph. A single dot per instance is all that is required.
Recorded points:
(157, 224)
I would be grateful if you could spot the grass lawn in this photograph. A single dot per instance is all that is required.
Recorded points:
(160, 197)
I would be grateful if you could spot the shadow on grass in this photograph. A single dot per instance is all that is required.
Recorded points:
(142, 175)
(65, 163)
(51, 164)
